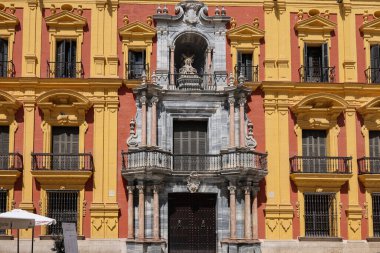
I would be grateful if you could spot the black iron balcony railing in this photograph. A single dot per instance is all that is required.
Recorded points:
(135, 71)
(65, 69)
(143, 159)
(196, 81)
(369, 165)
(373, 75)
(317, 74)
(11, 161)
(320, 164)
(250, 72)
(49, 161)
(7, 69)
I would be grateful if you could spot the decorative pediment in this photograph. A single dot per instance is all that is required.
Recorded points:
(315, 24)
(63, 107)
(371, 28)
(371, 114)
(8, 20)
(137, 30)
(245, 32)
(66, 19)
(319, 110)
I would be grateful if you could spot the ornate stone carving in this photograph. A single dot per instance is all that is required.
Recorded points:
(140, 188)
(132, 139)
(125, 20)
(191, 11)
(187, 67)
(232, 189)
(193, 182)
(249, 139)
(130, 189)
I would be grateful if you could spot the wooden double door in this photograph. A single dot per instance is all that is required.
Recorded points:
(192, 223)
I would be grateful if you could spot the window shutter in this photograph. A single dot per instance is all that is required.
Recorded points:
(73, 140)
(4, 139)
(325, 55)
(306, 143)
(60, 54)
(305, 56)
(374, 143)
(239, 58)
(3, 50)
(375, 56)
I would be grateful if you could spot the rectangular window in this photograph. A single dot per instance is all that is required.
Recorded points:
(62, 205)
(376, 214)
(3, 58)
(3, 206)
(375, 64)
(316, 63)
(314, 151)
(374, 151)
(190, 145)
(136, 64)
(320, 215)
(65, 59)
(245, 66)
(65, 148)
(4, 147)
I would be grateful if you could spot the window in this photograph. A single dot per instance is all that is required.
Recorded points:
(3, 58)
(65, 148)
(245, 67)
(3, 206)
(4, 147)
(62, 205)
(316, 63)
(374, 151)
(136, 64)
(190, 145)
(320, 215)
(376, 214)
(314, 150)
(66, 65)
(374, 70)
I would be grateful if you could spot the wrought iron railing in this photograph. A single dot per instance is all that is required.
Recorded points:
(136, 71)
(196, 81)
(376, 214)
(373, 75)
(143, 159)
(7, 69)
(320, 164)
(369, 165)
(11, 161)
(320, 215)
(317, 74)
(65, 69)
(50, 161)
(250, 72)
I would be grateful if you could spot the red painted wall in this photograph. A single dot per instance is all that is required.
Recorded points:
(295, 50)
(127, 111)
(17, 46)
(86, 46)
(293, 150)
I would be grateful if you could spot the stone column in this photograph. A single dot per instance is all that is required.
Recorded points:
(247, 212)
(143, 120)
(130, 212)
(232, 190)
(156, 213)
(255, 228)
(153, 130)
(209, 52)
(231, 101)
(242, 102)
(172, 65)
(141, 234)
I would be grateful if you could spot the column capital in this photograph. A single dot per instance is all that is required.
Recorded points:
(231, 100)
(143, 100)
(156, 188)
(154, 100)
(247, 189)
(130, 189)
(242, 101)
(232, 189)
(140, 188)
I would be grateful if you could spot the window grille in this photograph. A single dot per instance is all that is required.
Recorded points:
(320, 215)
(3, 206)
(63, 206)
(376, 214)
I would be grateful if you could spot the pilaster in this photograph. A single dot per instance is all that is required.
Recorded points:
(271, 41)
(111, 40)
(97, 39)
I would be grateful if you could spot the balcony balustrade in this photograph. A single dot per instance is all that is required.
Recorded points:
(373, 75)
(156, 159)
(250, 72)
(190, 82)
(320, 164)
(369, 165)
(65, 70)
(68, 162)
(135, 71)
(317, 74)
(11, 161)
(7, 69)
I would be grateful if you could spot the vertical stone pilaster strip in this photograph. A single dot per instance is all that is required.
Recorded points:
(242, 102)
(143, 120)
(232, 190)
(255, 228)
(172, 65)
(141, 234)
(131, 233)
(247, 212)
(156, 213)
(153, 131)
(231, 101)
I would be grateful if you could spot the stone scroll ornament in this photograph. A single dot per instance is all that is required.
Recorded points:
(132, 139)
(193, 182)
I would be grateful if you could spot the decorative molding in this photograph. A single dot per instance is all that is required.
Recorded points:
(193, 182)
(286, 224)
(65, 19)
(132, 140)
(271, 224)
(315, 25)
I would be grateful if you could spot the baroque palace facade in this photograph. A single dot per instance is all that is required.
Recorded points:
(163, 127)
